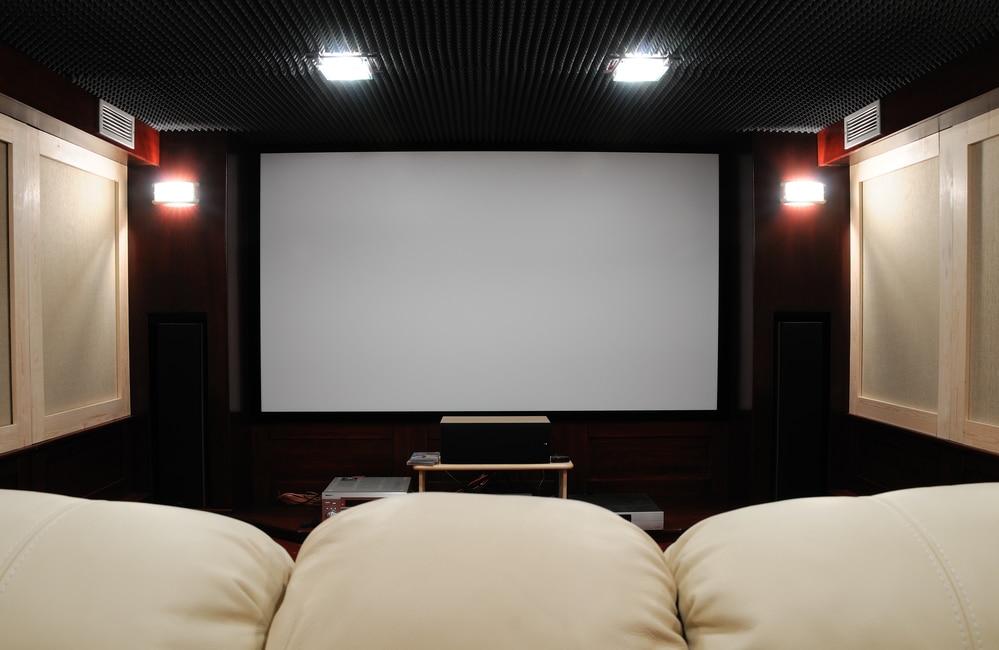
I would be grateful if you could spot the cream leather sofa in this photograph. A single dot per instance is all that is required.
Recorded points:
(78, 574)
(909, 569)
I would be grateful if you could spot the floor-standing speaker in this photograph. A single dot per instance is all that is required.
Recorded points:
(801, 404)
(178, 395)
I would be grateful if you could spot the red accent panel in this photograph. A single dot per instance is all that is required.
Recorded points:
(147, 144)
(969, 76)
(830, 142)
(38, 87)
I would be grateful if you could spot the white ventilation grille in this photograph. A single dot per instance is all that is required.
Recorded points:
(862, 126)
(115, 124)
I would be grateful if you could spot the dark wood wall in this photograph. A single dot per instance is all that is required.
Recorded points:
(801, 267)
(97, 463)
(775, 261)
(179, 270)
(674, 460)
(874, 457)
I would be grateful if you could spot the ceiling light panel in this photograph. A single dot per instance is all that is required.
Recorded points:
(640, 68)
(345, 67)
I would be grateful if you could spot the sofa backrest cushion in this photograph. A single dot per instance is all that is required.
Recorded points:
(443, 570)
(914, 568)
(81, 574)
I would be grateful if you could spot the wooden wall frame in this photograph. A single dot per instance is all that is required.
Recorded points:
(34, 421)
(950, 146)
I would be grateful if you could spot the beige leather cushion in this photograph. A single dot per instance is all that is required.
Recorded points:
(472, 571)
(85, 574)
(909, 569)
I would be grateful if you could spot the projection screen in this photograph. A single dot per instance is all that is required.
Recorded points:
(488, 282)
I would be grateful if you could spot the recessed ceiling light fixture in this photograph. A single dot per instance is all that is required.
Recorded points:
(638, 67)
(347, 67)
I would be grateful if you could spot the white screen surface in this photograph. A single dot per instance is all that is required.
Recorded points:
(488, 281)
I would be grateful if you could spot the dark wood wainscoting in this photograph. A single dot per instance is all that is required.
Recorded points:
(304, 455)
(98, 463)
(877, 457)
(668, 460)
(677, 462)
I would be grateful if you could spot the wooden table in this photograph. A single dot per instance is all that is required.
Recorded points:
(561, 468)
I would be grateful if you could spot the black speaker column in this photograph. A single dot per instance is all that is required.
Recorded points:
(178, 385)
(801, 367)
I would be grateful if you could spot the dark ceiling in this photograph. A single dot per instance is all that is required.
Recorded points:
(516, 74)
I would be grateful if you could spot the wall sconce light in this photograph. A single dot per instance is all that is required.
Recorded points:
(802, 193)
(175, 193)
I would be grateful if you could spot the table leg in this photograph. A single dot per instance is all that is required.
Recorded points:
(421, 481)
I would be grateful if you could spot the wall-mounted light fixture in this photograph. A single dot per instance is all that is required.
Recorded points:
(802, 193)
(347, 67)
(175, 193)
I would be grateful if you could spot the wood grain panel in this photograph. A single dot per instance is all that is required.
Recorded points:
(10, 475)
(801, 264)
(831, 145)
(892, 462)
(88, 464)
(970, 75)
(666, 458)
(55, 97)
(880, 457)
(645, 457)
(178, 264)
(301, 468)
(307, 456)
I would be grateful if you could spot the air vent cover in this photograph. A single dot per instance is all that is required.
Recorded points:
(863, 125)
(115, 124)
